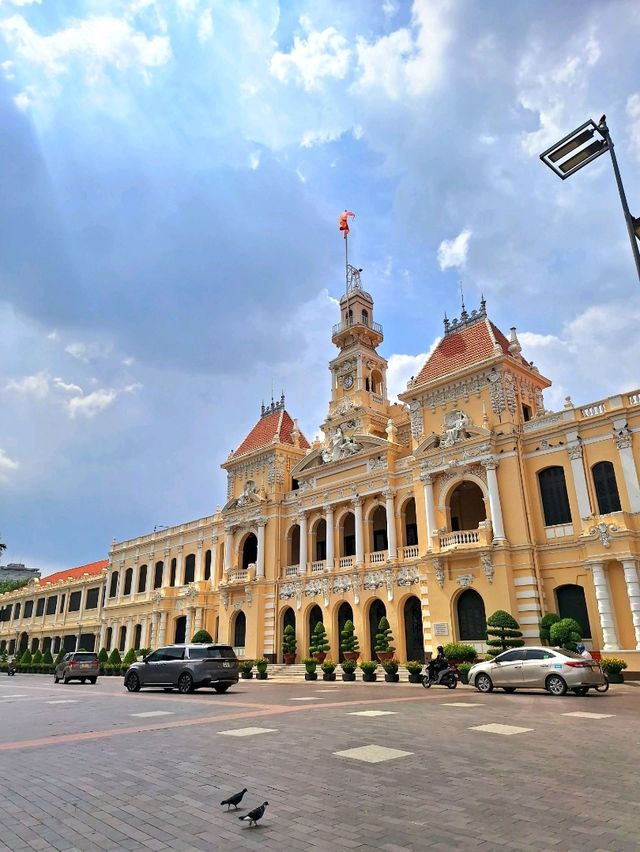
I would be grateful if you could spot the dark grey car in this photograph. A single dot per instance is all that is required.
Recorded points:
(77, 665)
(185, 667)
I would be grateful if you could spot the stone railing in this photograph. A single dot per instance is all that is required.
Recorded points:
(318, 566)
(594, 409)
(378, 556)
(460, 537)
(346, 561)
(238, 574)
(291, 570)
(412, 551)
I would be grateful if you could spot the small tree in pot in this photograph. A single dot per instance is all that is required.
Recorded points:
(383, 643)
(261, 664)
(310, 665)
(415, 671)
(391, 671)
(328, 670)
(289, 645)
(368, 668)
(246, 667)
(348, 670)
(613, 667)
(319, 643)
(504, 627)
(349, 644)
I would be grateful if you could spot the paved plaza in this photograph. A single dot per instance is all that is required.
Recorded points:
(343, 766)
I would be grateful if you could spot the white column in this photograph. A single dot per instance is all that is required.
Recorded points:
(580, 480)
(143, 632)
(199, 571)
(198, 621)
(392, 546)
(166, 568)
(154, 629)
(260, 555)
(179, 566)
(328, 519)
(228, 549)
(605, 609)
(214, 560)
(188, 632)
(429, 507)
(129, 636)
(494, 501)
(357, 503)
(629, 471)
(120, 590)
(302, 522)
(103, 628)
(163, 628)
(633, 590)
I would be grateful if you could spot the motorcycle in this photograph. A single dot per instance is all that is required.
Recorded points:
(11, 669)
(445, 677)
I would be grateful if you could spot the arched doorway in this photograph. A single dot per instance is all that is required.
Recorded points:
(315, 615)
(345, 613)
(572, 604)
(137, 637)
(377, 610)
(240, 630)
(181, 629)
(288, 620)
(24, 642)
(413, 633)
(249, 551)
(320, 540)
(472, 619)
(293, 545)
(466, 507)
(410, 524)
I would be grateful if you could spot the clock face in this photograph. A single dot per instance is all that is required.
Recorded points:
(348, 382)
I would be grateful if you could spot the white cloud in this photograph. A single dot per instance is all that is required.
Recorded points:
(84, 352)
(53, 335)
(36, 386)
(7, 466)
(132, 388)
(401, 368)
(453, 253)
(23, 2)
(254, 160)
(311, 138)
(205, 26)
(91, 404)
(22, 101)
(321, 55)
(68, 387)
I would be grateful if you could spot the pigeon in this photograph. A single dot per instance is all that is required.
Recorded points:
(234, 800)
(256, 814)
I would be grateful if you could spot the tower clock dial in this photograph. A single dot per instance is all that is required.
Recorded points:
(348, 382)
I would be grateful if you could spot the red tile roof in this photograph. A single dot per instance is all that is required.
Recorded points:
(76, 573)
(277, 423)
(461, 349)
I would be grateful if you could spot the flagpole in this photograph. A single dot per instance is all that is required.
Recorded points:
(346, 262)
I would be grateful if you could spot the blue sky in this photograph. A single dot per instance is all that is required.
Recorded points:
(172, 172)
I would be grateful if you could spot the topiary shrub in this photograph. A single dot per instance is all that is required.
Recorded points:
(384, 638)
(545, 626)
(26, 659)
(37, 658)
(60, 656)
(348, 640)
(319, 642)
(459, 652)
(130, 657)
(47, 658)
(114, 658)
(566, 633)
(289, 643)
(202, 636)
(103, 656)
(503, 626)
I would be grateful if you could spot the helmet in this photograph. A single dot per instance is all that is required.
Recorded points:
(440, 649)
(580, 647)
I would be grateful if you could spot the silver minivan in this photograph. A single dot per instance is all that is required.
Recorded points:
(185, 668)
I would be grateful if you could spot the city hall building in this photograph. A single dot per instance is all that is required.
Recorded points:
(465, 497)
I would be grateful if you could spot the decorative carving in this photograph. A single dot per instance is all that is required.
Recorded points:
(407, 576)
(438, 569)
(326, 590)
(604, 531)
(455, 423)
(157, 598)
(224, 597)
(373, 580)
(357, 587)
(388, 581)
(377, 462)
(344, 406)
(415, 414)
(465, 580)
(248, 595)
(575, 452)
(622, 437)
(341, 584)
(487, 566)
(339, 447)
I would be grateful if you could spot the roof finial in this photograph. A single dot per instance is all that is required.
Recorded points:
(463, 312)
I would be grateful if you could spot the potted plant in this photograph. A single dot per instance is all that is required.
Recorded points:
(329, 670)
(348, 670)
(368, 668)
(463, 672)
(310, 666)
(349, 644)
(261, 665)
(506, 630)
(460, 652)
(319, 643)
(391, 671)
(415, 671)
(289, 645)
(246, 667)
(612, 667)
(382, 645)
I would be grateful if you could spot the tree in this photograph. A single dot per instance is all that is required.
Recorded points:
(37, 657)
(349, 640)
(103, 656)
(26, 658)
(566, 633)
(289, 643)
(319, 642)
(503, 626)
(202, 636)
(130, 657)
(114, 658)
(545, 626)
(47, 658)
(11, 585)
(384, 637)
(60, 656)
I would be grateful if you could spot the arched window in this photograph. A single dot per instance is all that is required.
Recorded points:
(345, 613)
(572, 604)
(240, 630)
(157, 575)
(348, 537)
(123, 638)
(553, 492)
(181, 630)
(379, 529)
(376, 611)
(207, 565)
(189, 568)
(113, 587)
(294, 545)
(466, 507)
(142, 580)
(604, 480)
(365, 317)
(472, 619)
(108, 640)
(320, 539)
(172, 579)
(249, 551)
(128, 580)
(410, 523)
(137, 636)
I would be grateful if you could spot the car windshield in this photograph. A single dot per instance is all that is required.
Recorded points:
(212, 652)
(85, 657)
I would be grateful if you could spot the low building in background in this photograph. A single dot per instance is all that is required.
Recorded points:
(17, 571)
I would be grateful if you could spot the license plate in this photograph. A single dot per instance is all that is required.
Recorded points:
(226, 665)
(85, 666)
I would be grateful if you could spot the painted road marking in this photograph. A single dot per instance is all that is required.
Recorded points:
(373, 713)
(248, 732)
(62, 701)
(307, 698)
(150, 713)
(373, 753)
(462, 704)
(582, 715)
(507, 730)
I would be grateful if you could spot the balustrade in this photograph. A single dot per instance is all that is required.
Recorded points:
(291, 570)
(318, 566)
(346, 561)
(378, 556)
(453, 539)
(412, 551)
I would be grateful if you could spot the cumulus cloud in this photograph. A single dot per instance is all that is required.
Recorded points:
(205, 26)
(453, 253)
(7, 466)
(403, 367)
(320, 56)
(36, 386)
(91, 404)
(67, 387)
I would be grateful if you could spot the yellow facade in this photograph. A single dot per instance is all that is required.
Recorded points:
(465, 497)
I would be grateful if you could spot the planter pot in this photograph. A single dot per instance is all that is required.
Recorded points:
(261, 675)
(319, 656)
(246, 675)
(392, 678)
(415, 678)
(616, 677)
(328, 676)
(383, 656)
(311, 675)
(348, 676)
(351, 655)
(289, 659)
(368, 678)
(464, 677)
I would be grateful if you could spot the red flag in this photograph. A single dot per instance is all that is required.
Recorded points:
(343, 222)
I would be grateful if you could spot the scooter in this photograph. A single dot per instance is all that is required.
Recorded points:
(445, 677)
(11, 669)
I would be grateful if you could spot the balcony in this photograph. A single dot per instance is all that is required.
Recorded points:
(346, 561)
(319, 566)
(238, 575)
(291, 570)
(467, 539)
(339, 327)
(412, 551)
(378, 557)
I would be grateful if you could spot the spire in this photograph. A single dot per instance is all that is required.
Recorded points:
(514, 343)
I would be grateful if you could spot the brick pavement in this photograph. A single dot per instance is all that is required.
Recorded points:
(95, 778)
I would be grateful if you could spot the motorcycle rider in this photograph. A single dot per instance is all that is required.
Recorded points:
(438, 664)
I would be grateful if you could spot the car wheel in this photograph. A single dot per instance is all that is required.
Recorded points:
(221, 687)
(556, 685)
(426, 682)
(93, 680)
(602, 687)
(483, 683)
(580, 690)
(56, 679)
(132, 682)
(509, 689)
(185, 683)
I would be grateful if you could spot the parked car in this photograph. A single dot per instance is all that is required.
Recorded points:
(77, 665)
(185, 667)
(553, 669)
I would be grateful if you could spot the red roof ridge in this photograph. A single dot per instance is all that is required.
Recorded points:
(276, 424)
(91, 568)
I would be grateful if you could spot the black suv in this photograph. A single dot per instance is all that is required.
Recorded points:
(185, 667)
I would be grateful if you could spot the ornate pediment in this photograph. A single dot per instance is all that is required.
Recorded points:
(251, 497)
(337, 449)
(457, 429)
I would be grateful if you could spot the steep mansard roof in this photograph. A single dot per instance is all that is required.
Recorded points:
(274, 423)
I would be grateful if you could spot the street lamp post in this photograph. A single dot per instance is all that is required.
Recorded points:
(578, 149)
